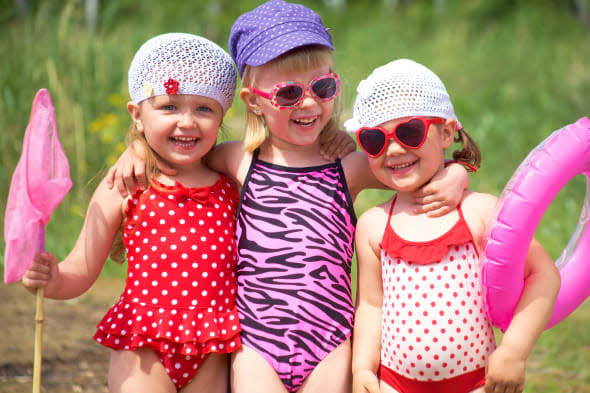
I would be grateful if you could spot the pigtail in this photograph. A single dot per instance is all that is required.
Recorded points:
(470, 152)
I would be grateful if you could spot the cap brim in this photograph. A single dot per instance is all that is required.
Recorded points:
(288, 41)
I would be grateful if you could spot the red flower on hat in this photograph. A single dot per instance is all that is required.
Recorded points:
(171, 86)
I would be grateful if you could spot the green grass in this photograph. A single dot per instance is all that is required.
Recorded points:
(516, 71)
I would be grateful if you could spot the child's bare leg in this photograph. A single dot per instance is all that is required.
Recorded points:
(211, 376)
(251, 373)
(138, 371)
(333, 374)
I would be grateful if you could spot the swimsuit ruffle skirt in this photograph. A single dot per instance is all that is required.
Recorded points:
(179, 296)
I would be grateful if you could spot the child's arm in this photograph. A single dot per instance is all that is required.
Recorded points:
(367, 327)
(507, 364)
(444, 192)
(128, 173)
(439, 196)
(75, 274)
(339, 146)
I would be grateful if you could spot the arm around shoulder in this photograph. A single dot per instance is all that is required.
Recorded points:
(359, 175)
(229, 158)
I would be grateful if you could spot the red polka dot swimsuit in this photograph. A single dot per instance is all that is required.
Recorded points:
(435, 334)
(179, 296)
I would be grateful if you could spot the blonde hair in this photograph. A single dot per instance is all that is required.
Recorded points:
(296, 60)
(117, 253)
(149, 155)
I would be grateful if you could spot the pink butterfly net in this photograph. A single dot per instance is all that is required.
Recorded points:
(39, 183)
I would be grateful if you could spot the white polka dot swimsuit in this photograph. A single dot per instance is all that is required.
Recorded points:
(434, 325)
(179, 296)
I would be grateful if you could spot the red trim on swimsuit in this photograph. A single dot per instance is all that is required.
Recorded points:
(427, 252)
(463, 383)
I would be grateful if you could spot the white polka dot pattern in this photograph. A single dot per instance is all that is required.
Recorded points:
(434, 324)
(181, 285)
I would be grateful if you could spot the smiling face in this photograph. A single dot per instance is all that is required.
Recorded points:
(406, 170)
(300, 125)
(181, 129)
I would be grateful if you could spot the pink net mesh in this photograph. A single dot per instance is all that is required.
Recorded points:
(39, 183)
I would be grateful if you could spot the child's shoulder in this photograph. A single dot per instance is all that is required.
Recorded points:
(478, 201)
(371, 226)
(375, 216)
(478, 210)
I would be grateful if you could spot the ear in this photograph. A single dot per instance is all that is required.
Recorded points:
(251, 101)
(134, 112)
(447, 132)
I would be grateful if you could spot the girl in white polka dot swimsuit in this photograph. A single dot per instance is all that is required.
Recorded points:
(420, 322)
(176, 322)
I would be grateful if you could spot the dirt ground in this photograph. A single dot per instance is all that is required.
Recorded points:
(72, 361)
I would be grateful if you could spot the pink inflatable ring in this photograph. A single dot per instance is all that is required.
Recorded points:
(538, 179)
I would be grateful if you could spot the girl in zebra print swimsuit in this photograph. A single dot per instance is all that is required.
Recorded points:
(296, 221)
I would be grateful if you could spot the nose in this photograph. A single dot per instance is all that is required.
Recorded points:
(186, 120)
(308, 99)
(393, 147)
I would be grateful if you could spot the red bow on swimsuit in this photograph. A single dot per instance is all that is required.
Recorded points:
(197, 194)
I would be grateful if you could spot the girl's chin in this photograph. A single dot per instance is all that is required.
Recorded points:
(402, 183)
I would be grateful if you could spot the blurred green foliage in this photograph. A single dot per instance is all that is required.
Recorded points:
(516, 71)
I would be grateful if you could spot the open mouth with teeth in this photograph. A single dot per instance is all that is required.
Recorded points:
(305, 122)
(401, 167)
(184, 142)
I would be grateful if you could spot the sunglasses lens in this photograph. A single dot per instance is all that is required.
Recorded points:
(325, 88)
(372, 141)
(411, 133)
(289, 95)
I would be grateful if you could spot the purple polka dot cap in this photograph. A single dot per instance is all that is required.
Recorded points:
(273, 29)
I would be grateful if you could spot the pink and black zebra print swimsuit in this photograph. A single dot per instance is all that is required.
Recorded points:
(295, 235)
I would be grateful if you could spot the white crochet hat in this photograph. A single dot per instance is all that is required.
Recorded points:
(179, 63)
(401, 88)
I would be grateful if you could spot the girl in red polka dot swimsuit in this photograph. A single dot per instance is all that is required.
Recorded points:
(420, 323)
(176, 322)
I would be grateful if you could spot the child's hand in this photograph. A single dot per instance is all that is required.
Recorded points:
(128, 173)
(365, 382)
(339, 147)
(41, 273)
(443, 192)
(505, 372)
